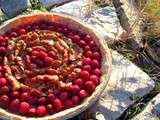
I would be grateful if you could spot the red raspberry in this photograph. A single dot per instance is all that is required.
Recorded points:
(83, 94)
(33, 58)
(24, 96)
(22, 31)
(87, 68)
(87, 48)
(35, 92)
(48, 61)
(50, 97)
(42, 54)
(75, 99)
(50, 109)
(88, 54)
(96, 72)
(74, 89)
(3, 81)
(79, 82)
(15, 94)
(32, 112)
(41, 111)
(25, 88)
(4, 101)
(52, 54)
(68, 104)
(95, 63)
(35, 53)
(64, 96)
(96, 55)
(58, 104)
(1, 39)
(13, 34)
(2, 50)
(89, 86)
(14, 105)
(28, 28)
(6, 39)
(92, 44)
(24, 108)
(42, 101)
(86, 61)
(84, 75)
(4, 90)
(76, 38)
(82, 43)
(94, 79)
(87, 38)
(39, 62)
(32, 100)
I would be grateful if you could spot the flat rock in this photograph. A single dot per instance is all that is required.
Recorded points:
(151, 111)
(126, 82)
(14, 7)
(104, 19)
(51, 3)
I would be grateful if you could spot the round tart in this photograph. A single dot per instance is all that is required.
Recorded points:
(52, 66)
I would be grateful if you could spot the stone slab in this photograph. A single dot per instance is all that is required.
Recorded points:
(151, 111)
(51, 3)
(14, 7)
(126, 81)
(104, 19)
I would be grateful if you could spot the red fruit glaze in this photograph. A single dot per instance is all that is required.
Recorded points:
(41, 111)
(24, 108)
(64, 96)
(14, 105)
(4, 101)
(83, 94)
(3, 81)
(4, 90)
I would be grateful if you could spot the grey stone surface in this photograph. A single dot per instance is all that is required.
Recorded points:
(50, 3)
(126, 81)
(151, 111)
(104, 20)
(14, 7)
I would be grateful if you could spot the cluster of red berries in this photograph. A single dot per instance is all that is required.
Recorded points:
(29, 101)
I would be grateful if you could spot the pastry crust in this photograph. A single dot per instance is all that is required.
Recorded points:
(73, 23)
